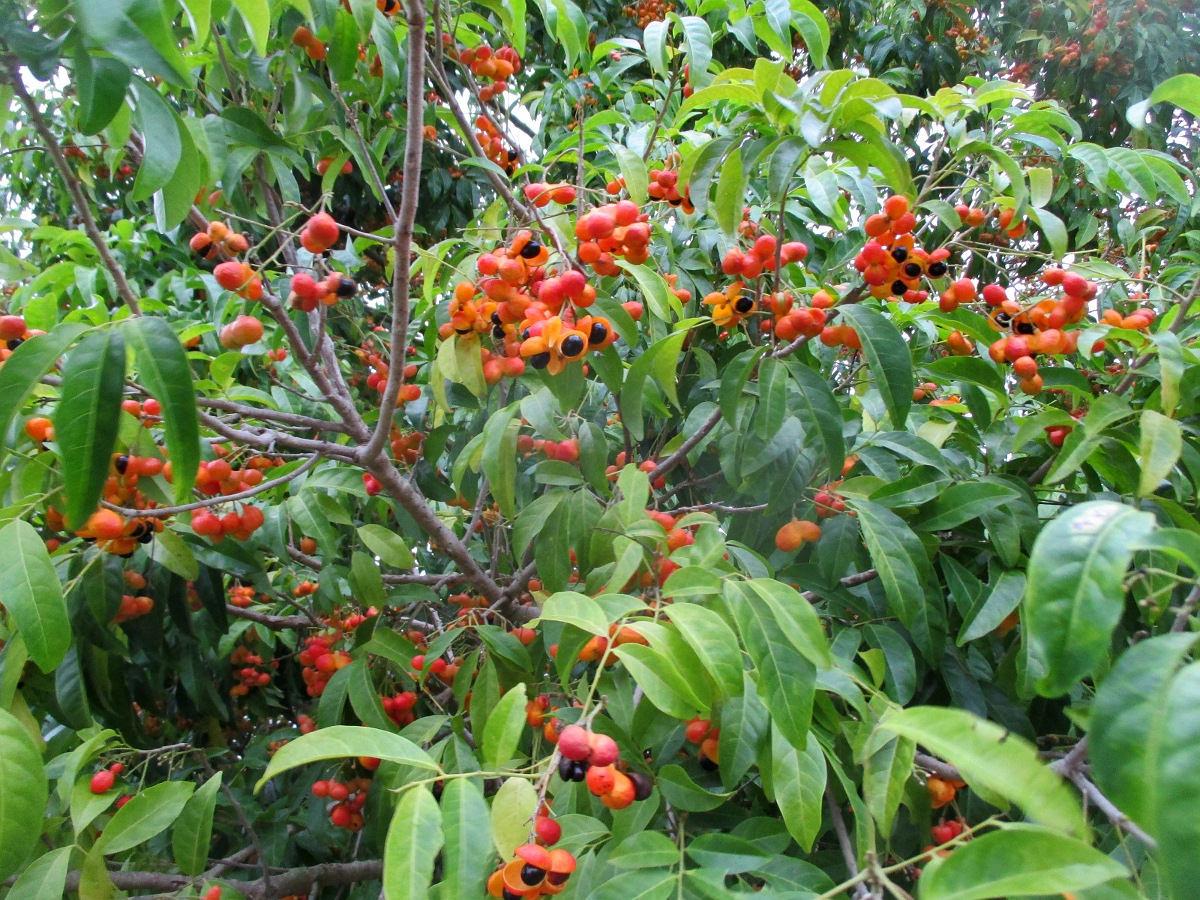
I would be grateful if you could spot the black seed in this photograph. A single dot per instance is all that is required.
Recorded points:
(1025, 328)
(121, 464)
(912, 270)
(743, 305)
(642, 785)
(147, 537)
(525, 335)
(598, 334)
(1003, 319)
(531, 874)
(15, 343)
(564, 768)
(899, 288)
(498, 332)
(647, 754)
(676, 202)
(899, 254)
(707, 764)
(496, 320)
(531, 250)
(573, 346)
(346, 287)
(938, 269)
(464, 330)
(540, 361)
(578, 771)
(557, 878)
(509, 895)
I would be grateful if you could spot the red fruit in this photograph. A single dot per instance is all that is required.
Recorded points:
(896, 206)
(697, 730)
(573, 743)
(102, 782)
(418, 662)
(117, 768)
(213, 893)
(604, 750)
(548, 831)
(322, 232)
(233, 276)
(12, 328)
(340, 816)
(320, 789)
(1075, 285)
(601, 779)
(993, 294)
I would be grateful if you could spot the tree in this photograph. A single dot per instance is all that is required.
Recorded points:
(597, 450)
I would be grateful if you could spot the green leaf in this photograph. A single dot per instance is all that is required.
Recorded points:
(365, 580)
(640, 884)
(512, 811)
(164, 370)
(664, 686)
(389, 546)
(734, 376)
(1080, 444)
(727, 853)
(786, 680)
(731, 193)
(713, 642)
(22, 371)
(23, 794)
(163, 147)
(45, 878)
(33, 595)
(1180, 90)
(654, 39)
(102, 82)
(744, 722)
(798, 777)
(817, 409)
(697, 41)
(886, 771)
(683, 793)
(148, 813)
(887, 357)
(810, 21)
(339, 741)
(1162, 442)
(467, 856)
(796, 619)
(576, 609)
(86, 421)
(1143, 746)
(994, 760)
(504, 727)
(633, 171)
(191, 838)
(1075, 595)
(644, 850)
(1018, 861)
(500, 456)
(342, 56)
(993, 608)
(773, 383)
(905, 572)
(961, 503)
(413, 841)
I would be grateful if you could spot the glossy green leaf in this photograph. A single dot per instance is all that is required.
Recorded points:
(1161, 444)
(164, 370)
(992, 759)
(1144, 747)
(499, 462)
(33, 595)
(682, 792)
(795, 618)
(512, 811)
(340, 741)
(149, 812)
(467, 855)
(887, 357)
(1024, 861)
(886, 770)
(713, 642)
(810, 21)
(576, 609)
(1180, 90)
(191, 838)
(45, 878)
(727, 853)
(23, 794)
(731, 193)
(504, 727)
(963, 502)
(814, 405)
(102, 82)
(87, 417)
(389, 546)
(798, 777)
(413, 841)
(1074, 596)
(664, 686)
(163, 146)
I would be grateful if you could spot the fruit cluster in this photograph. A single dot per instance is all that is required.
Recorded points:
(239, 526)
(102, 782)
(241, 596)
(380, 369)
(399, 708)
(347, 800)
(646, 11)
(612, 230)
(540, 194)
(133, 607)
(593, 758)
(217, 240)
(535, 872)
(792, 319)
(309, 43)
(307, 292)
(703, 733)
(793, 535)
(498, 66)
(319, 233)
(664, 185)
(762, 257)
(320, 660)
(942, 790)
(249, 670)
(494, 147)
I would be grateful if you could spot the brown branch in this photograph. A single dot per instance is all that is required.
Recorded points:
(848, 855)
(1190, 602)
(275, 623)
(414, 140)
(279, 417)
(78, 198)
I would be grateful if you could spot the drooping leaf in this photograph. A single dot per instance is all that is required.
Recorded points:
(413, 841)
(23, 794)
(339, 741)
(33, 595)
(888, 358)
(191, 838)
(467, 855)
(150, 812)
(798, 777)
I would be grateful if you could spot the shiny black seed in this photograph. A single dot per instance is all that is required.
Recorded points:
(525, 335)
(573, 346)
(496, 320)
(1025, 328)
(506, 894)
(531, 874)
(564, 768)
(598, 334)
(540, 361)
(121, 464)
(899, 254)
(557, 878)
(146, 538)
(899, 288)
(531, 250)
(464, 330)
(498, 332)
(642, 785)
(1003, 319)
(578, 771)
(938, 269)
(15, 343)
(743, 305)
(912, 270)
(707, 764)
(346, 287)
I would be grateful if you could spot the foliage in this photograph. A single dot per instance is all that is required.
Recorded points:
(613, 451)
